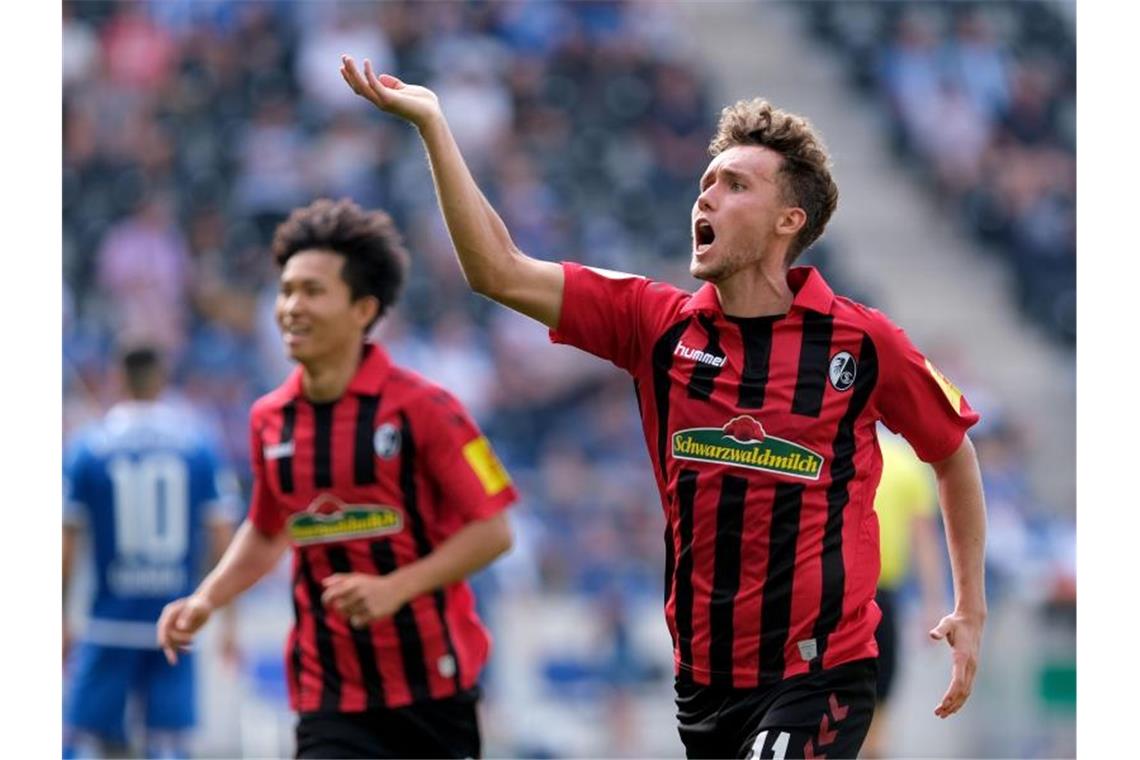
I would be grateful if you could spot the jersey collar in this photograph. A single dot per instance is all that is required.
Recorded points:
(370, 375)
(810, 291)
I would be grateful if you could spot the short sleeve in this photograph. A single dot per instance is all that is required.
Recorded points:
(915, 400)
(74, 486)
(460, 460)
(264, 511)
(612, 315)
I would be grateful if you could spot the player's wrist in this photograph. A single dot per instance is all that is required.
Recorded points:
(972, 613)
(206, 600)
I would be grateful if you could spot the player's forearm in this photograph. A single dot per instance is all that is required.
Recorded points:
(964, 514)
(471, 548)
(481, 239)
(247, 559)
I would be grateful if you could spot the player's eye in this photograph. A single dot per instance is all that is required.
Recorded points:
(737, 186)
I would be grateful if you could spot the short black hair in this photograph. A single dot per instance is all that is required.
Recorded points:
(142, 368)
(375, 260)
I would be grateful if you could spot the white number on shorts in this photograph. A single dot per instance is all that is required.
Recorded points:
(779, 747)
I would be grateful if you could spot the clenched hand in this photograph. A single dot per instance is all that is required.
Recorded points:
(363, 598)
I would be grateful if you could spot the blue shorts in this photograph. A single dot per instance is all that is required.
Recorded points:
(102, 678)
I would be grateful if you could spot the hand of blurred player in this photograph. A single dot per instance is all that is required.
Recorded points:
(362, 598)
(416, 104)
(179, 622)
(964, 635)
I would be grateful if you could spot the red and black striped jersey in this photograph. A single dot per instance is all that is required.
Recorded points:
(368, 483)
(761, 432)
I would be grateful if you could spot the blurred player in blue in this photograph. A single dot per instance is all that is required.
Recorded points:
(146, 485)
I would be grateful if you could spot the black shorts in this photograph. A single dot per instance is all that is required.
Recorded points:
(437, 728)
(887, 636)
(811, 715)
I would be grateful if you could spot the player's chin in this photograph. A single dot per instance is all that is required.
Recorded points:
(703, 270)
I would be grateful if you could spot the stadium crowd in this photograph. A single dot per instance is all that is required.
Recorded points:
(981, 100)
(192, 127)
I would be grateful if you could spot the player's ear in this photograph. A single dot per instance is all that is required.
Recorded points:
(366, 308)
(792, 219)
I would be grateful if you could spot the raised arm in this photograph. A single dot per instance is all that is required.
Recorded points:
(964, 513)
(492, 264)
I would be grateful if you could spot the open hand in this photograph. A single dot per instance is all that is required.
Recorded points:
(179, 622)
(416, 104)
(362, 598)
(964, 635)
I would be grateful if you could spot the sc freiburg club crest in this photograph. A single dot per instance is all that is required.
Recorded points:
(841, 371)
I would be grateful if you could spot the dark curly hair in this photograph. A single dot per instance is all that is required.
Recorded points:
(806, 170)
(375, 260)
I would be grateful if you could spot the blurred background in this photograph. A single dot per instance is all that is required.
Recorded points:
(192, 127)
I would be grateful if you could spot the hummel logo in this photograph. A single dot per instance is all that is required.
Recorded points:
(696, 355)
(278, 450)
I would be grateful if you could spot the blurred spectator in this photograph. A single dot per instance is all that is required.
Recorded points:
(329, 30)
(144, 272)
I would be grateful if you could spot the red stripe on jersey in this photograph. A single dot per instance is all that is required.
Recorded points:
(305, 634)
(383, 635)
(344, 441)
(807, 586)
(746, 621)
(303, 436)
(352, 697)
(428, 623)
(704, 558)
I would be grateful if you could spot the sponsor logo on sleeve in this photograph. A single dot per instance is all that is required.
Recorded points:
(953, 395)
(482, 460)
(329, 519)
(743, 442)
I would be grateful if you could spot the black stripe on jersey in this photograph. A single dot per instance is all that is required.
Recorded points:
(701, 381)
(330, 675)
(322, 444)
(295, 654)
(776, 607)
(683, 602)
(756, 336)
(670, 562)
(662, 363)
(419, 529)
(812, 377)
(726, 577)
(363, 455)
(361, 639)
(842, 471)
(285, 463)
(411, 644)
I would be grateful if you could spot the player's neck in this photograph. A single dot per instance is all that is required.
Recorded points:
(756, 291)
(326, 379)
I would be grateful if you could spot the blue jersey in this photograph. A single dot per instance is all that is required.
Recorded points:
(146, 481)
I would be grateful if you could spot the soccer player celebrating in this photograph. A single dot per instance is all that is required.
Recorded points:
(759, 396)
(389, 496)
(146, 484)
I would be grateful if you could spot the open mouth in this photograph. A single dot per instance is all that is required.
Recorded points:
(703, 234)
